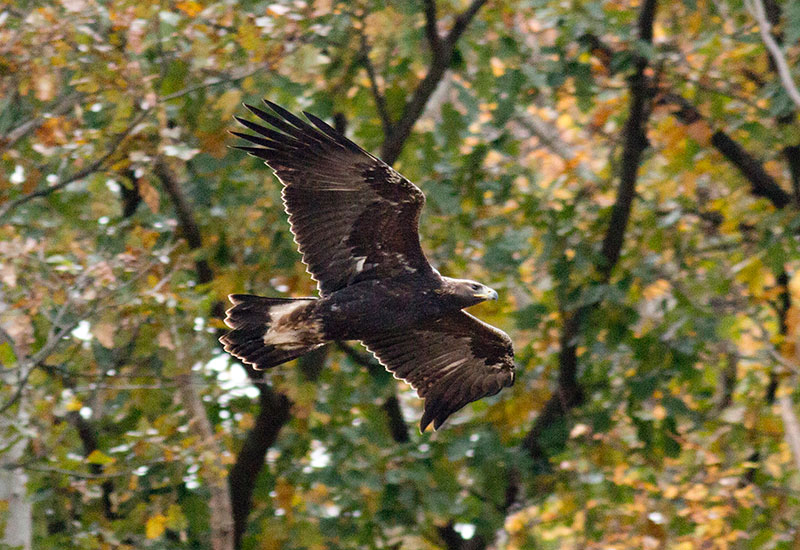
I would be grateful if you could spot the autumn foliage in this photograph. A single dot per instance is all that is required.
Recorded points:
(625, 173)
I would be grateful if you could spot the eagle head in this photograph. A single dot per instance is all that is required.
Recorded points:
(467, 293)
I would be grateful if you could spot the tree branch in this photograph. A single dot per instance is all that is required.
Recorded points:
(380, 99)
(391, 406)
(431, 31)
(393, 144)
(762, 184)
(569, 392)
(186, 220)
(756, 7)
(273, 414)
(63, 105)
(80, 174)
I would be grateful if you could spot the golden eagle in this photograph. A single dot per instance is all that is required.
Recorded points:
(355, 222)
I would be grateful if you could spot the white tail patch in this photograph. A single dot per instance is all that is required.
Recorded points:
(285, 333)
(276, 313)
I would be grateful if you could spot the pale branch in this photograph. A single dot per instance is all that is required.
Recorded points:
(393, 144)
(93, 167)
(220, 501)
(547, 135)
(756, 8)
(791, 427)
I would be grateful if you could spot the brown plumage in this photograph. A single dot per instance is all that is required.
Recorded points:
(355, 222)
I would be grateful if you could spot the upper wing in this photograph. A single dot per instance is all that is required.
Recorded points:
(450, 361)
(353, 216)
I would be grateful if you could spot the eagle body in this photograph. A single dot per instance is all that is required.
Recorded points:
(369, 307)
(355, 221)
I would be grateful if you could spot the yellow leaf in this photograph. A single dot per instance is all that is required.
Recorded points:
(175, 518)
(657, 290)
(155, 526)
(189, 7)
(498, 67)
(99, 457)
(228, 102)
(74, 405)
(149, 195)
(104, 332)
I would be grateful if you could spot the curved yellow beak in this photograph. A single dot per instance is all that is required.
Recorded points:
(486, 294)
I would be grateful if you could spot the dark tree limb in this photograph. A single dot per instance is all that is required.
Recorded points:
(442, 54)
(186, 220)
(569, 392)
(273, 414)
(761, 183)
(377, 94)
(87, 432)
(792, 154)
(391, 406)
(454, 541)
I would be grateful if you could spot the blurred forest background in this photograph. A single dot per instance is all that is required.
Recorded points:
(626, 173)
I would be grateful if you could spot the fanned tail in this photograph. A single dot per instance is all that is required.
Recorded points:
(251, 318)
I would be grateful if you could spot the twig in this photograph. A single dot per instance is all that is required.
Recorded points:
(80, 174)
(61, 107)
(377, 94)
(216, 82)
(756, 7)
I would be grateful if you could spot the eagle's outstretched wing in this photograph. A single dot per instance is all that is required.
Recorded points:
(354, 218)
(450, 361)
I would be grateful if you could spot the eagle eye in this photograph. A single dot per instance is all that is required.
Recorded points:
(475, 286)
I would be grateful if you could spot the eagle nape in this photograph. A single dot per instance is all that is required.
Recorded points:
(355, 221)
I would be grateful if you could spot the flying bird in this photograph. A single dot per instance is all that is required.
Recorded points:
(355, 221)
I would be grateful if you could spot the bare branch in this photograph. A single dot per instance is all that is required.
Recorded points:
(63, 105)
(756, 7)
(98, 164)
